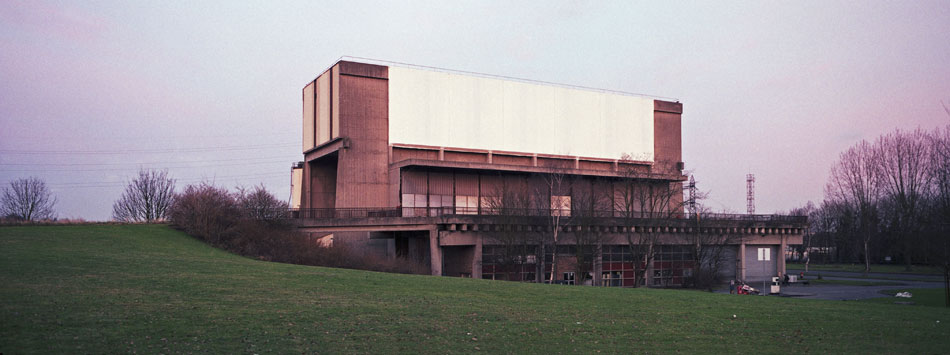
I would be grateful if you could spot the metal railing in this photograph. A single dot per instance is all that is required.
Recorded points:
(405, 212)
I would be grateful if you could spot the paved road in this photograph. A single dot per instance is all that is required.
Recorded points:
(848, 292)
(848, 274)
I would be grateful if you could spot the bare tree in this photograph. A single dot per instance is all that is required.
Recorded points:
(510, 202)
(708, 241)
(259, 204)
(559, 213)
(27, 199)
(855, 183)
(590, 203)
(644, 207)
(811, 211)
(146, 198)
(708, 245)
(937, 245)
(903, 160)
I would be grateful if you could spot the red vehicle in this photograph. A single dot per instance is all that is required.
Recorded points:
(744, 289)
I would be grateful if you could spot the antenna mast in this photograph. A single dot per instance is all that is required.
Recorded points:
(692, 195)
(750, 193)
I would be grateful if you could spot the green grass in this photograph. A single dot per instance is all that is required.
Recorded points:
(854, 282)
(879, 268)
(931, 297)
(108, 289)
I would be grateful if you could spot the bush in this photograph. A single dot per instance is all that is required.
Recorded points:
(261, 205)
(253, 224)
(206, 212)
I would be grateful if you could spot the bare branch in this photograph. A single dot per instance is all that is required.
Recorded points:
(146, 198)
(27, 199)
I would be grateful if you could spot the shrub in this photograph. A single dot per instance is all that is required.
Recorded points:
(261, 205)
(253, 224)
(206, 212)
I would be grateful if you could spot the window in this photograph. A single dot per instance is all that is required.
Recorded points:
(413, 205)
(612, 278)
(466, 204)
(765, 254)
(561, 206)
(569, 278)
(439, 204)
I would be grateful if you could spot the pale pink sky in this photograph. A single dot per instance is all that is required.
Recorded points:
(92, 90)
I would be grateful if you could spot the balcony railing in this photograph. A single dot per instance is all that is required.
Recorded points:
(405, 212)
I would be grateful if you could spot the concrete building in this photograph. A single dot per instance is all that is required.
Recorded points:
(472, 175)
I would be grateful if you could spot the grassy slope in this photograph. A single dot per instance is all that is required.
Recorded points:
(151, 289)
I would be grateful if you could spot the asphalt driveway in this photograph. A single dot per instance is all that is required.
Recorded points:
(850, 292)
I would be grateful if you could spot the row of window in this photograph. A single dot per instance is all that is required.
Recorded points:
(609, 253)
(661, 277)
(416, 204)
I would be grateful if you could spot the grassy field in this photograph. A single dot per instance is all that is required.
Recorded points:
(880, 268)
(106, 289)
(931, 297)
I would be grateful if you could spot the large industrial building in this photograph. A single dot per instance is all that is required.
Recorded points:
(490, 177)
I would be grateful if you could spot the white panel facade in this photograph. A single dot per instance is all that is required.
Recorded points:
(455, 110)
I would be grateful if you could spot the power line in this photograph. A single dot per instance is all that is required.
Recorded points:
(126, 136)
(162, 167)
(189, 180)
(127, 151)
(141, 163)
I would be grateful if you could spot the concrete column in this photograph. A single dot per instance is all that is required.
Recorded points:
(477, 259)
(780, 263)
(649, 275)
(435, 253)
(598, 266)
(742, 261)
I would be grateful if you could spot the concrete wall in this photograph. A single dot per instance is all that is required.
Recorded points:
(756, 270)
(729, 263)
(308, 116)
(364, 159)
(322, 184)
(457, 260)
(668, 146)
(456, 110)
(296, 187)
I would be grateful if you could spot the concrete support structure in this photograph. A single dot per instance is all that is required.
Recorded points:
(742, 261)
(435, 253)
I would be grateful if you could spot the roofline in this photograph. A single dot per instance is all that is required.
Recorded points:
(492, 76)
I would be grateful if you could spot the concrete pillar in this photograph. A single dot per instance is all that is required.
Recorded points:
(742, 261)
(598, 266)
(780, 263)
(649, 274)
(477, 259)
(435, 253)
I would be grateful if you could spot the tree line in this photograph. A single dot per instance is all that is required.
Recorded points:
(886, 200)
